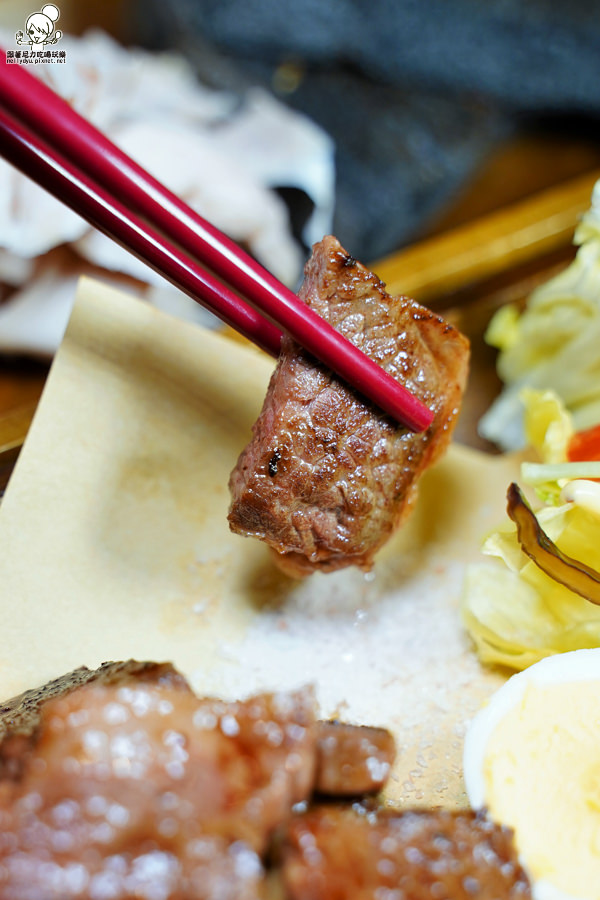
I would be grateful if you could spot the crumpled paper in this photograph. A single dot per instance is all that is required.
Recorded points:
(223, 154)
(114, 543)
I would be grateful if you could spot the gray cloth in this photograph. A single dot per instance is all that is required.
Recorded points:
(414, 93)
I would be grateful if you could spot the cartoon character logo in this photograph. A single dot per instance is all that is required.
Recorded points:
(39, 28)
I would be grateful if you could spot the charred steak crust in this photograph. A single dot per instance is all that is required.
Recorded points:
(342, 853)
(326, 478)
(21, 715)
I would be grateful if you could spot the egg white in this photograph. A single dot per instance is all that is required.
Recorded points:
(579, 665)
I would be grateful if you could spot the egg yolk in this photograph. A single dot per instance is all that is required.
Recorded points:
(542, 774)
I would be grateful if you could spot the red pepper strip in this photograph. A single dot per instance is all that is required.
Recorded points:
(534, 541)
(584, 445)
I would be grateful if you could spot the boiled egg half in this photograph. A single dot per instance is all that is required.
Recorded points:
(532, 758)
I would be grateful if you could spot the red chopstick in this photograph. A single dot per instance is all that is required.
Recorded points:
(60, 178)
(45, 138)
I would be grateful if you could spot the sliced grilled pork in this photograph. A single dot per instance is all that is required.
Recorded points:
(326, 478)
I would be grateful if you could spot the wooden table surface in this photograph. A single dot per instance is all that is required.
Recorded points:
(516, 172)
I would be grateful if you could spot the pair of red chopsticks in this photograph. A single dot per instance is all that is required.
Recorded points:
(42, 136)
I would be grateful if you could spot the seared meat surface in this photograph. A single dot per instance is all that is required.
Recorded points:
(326, 478)
(349, 853)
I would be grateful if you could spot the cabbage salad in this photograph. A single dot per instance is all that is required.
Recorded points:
(554, 344)
(514, 611)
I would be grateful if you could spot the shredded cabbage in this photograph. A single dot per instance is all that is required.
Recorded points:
(515, 613)
(548, 425)
(553, 344)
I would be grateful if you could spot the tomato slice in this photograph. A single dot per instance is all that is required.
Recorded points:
(584, 445)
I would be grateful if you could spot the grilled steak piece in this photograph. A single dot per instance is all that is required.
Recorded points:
(352, 760)
(20, 716)
(140, 789)
(326, 478)
(340, 853)
(120, 783)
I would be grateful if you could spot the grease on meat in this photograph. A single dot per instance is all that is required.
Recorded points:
(326, 478)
